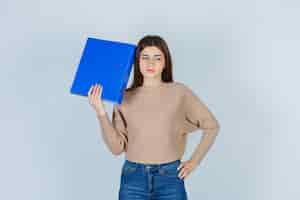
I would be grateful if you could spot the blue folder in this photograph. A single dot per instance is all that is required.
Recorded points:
(106, 62)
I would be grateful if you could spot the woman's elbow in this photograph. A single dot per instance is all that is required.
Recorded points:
(119, 150)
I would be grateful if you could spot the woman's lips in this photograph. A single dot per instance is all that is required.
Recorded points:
(150, 70)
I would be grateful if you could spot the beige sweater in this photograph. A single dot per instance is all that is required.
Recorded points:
(151, 124)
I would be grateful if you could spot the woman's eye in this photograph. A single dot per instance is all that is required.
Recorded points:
(146, 58)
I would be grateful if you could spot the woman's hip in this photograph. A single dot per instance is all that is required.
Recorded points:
(144, 180)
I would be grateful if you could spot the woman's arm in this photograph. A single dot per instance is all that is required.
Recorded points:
(114, 133)
(198, 116)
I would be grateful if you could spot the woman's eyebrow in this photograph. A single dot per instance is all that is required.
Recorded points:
(148, 55)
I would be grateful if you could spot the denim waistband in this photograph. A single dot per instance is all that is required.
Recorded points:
(132, 163)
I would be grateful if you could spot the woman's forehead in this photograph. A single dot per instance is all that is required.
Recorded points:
(151, 51)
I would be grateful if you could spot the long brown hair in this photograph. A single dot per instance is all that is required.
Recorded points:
(159, 42)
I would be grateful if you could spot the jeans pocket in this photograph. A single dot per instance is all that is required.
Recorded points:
(169, 171)
(128, 169)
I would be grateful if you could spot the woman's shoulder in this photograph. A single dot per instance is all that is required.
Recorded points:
(182, 87)
(127, 96)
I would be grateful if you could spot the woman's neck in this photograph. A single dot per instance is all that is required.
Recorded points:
(152, 83)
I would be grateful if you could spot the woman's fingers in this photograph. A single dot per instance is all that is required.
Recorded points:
(91, 93)
(98, 90)
(94, 93)
(100, 93)
(90, 90)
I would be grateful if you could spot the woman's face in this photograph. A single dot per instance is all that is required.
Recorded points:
(151, 61)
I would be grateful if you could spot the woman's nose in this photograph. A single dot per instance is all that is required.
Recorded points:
(151, 63)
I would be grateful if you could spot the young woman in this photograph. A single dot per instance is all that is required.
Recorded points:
(151, 126)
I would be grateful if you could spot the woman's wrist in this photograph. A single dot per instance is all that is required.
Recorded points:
(101, 113)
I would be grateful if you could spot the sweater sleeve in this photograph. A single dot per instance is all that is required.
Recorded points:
(197, 115)
(114, 132)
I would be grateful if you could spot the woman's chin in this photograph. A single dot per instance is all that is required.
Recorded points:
(150, 75)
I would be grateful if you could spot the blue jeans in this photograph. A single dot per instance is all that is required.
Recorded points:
(141, 181)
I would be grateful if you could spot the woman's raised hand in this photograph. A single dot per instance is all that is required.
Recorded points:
(94, 96)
